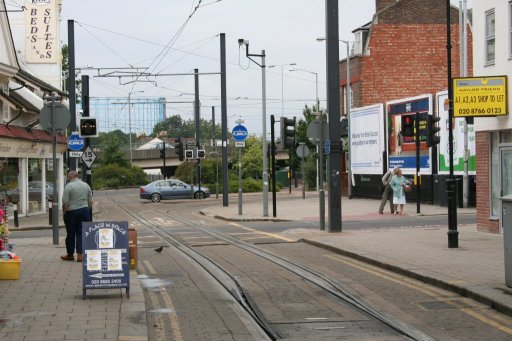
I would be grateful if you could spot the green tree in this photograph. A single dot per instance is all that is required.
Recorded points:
(309, 115)
(112, 151)
(252, 159)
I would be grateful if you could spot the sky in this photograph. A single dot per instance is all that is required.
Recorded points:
(134, 33)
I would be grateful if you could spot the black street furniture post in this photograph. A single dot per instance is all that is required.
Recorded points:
(273, 164)
(453, 234)
(418, 182)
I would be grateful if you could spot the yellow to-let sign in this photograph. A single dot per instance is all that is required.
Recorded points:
(480, 96)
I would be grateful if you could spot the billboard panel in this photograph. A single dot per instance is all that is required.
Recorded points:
(367, 139)
(458, 141)
(402, 149)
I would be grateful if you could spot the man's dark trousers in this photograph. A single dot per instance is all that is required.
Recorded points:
(73, 220)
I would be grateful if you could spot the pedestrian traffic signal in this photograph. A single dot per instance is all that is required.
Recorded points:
(178, 148)
(189, 154)
(407, 125)
(287, 132)
(201, 153)
(88, 127)
(432, 130)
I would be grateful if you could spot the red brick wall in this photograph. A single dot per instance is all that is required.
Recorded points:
(483, 185)
(405, 61)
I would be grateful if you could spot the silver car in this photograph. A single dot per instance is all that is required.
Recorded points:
(172, 189)
(34, 192)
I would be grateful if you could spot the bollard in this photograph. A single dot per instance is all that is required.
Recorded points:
(50, 212)
(16, 221)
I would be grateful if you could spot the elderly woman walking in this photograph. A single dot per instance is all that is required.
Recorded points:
(398, 184)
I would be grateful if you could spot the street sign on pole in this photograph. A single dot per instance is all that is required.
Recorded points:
(88, 157)
(76, 142)
(240, 133)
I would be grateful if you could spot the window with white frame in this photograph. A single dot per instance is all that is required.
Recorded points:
(490, 40)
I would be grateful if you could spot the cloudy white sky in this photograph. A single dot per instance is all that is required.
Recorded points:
(124, 33)
(117, 33)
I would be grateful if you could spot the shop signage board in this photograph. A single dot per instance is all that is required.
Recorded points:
(106, 262)
(480, 96)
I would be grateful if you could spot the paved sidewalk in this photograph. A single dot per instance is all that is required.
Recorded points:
(475, 269)
(46, 303)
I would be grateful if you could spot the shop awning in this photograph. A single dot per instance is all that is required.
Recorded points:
(34, 135)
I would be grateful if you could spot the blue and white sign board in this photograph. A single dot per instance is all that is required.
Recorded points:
(239, 133)
(106, 262)
(75, 142)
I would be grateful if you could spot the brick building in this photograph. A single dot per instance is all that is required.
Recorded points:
(401, 54)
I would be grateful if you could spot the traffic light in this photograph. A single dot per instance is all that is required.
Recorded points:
(178, 148)
(189, 154)
(432, 130)
(407, 125)
(88, 127)
(201, 154)
(287, 132)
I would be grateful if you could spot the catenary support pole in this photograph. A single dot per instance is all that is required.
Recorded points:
(333, 109)
(197, 118)
(224, 120)
(71, 84)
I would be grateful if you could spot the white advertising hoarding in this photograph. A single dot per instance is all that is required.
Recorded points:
(367, 139)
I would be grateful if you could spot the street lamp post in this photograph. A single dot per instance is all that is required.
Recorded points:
(348, 99)
(318, 110)
(282, 83)
(264, 118)
(130, 124)
(347, 112)
(316, 83)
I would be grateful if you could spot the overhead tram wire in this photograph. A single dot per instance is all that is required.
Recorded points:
(105, 45)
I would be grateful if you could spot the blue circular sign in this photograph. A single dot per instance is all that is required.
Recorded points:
(239, 133)
(75, 142)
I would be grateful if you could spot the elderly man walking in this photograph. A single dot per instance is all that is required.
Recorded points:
(77, 208)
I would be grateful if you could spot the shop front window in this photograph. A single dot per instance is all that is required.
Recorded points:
(36, 201)
(9, 171)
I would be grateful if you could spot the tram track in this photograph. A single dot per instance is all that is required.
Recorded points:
(236, 289)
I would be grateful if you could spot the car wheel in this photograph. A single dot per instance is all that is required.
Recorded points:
(155, 197)
(199, 195)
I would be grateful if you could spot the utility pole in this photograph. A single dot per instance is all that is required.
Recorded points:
(333, 109)
(72, 84)
(263, 118)
(198, 125)
(224, 120)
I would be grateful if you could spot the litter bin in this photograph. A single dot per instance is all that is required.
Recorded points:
(506, 224)
(132, 246)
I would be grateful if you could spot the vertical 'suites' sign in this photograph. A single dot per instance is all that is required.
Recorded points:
(106, 261)
(41, 31)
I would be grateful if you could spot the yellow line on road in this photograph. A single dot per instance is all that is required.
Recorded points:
(273, 235)
(434, 292)
(173, 318)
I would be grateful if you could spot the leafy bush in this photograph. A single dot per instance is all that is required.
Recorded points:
(115, 176)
